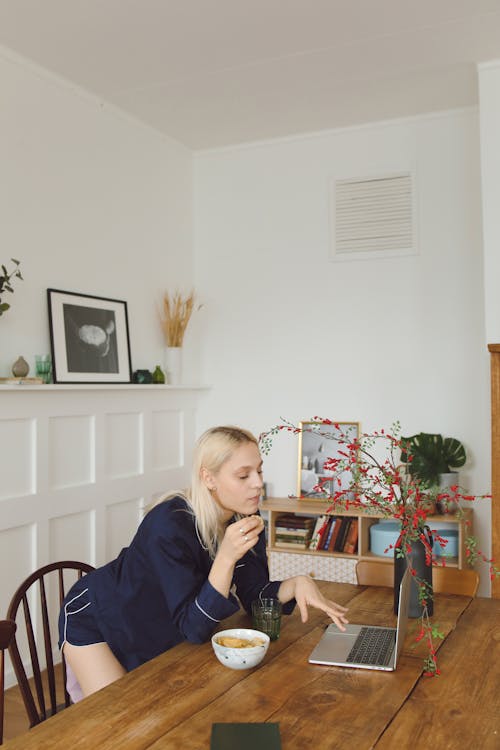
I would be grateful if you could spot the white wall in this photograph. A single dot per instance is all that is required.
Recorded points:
(291, 334)
(91, 202)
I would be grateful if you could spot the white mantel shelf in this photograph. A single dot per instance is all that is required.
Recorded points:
(102, 386)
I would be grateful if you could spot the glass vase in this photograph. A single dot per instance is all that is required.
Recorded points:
(420, 562)
(158, 375)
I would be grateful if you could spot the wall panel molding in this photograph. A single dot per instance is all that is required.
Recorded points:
(80, 466)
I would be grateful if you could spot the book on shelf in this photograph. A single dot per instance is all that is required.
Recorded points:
(290, 530)
(320, 522)
(327, 537)
(295, 522)
(291, 538)
(292, 545)
(351, 542)
(323, 532)
(334, 537)
(344, 527)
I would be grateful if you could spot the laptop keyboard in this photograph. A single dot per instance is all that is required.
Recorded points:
(373, 646)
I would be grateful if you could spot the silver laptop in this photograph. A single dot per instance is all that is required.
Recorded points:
(366, 646)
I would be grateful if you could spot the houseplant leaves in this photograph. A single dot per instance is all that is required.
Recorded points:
(429, 455)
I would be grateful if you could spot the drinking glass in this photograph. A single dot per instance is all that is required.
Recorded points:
(266, 617)
(43, 367)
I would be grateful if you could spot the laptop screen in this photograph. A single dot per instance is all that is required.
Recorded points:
(403, 609)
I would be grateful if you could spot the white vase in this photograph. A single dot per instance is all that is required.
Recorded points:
(173, 365)
(446, 482)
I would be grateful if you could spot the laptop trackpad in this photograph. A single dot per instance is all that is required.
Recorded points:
(335, 645)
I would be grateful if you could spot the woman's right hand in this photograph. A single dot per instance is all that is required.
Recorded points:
(240, 537)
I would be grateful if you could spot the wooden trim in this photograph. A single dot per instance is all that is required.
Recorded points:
(494, 350)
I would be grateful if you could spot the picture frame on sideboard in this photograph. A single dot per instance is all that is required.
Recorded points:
(317, 442)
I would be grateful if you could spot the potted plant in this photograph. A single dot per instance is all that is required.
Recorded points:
(433, 460)
(6, 283)
(367, 475)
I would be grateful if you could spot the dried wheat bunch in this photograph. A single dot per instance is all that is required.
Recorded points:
(177, 311)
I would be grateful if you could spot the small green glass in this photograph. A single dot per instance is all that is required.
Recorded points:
(43, 366)
(266, 617)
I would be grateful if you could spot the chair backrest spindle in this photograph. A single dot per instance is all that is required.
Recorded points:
(35, 662)
(49, 662)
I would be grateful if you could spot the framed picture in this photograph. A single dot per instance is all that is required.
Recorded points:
(317, 442)
(89, 338)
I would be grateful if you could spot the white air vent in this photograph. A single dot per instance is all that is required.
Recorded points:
(373, 217)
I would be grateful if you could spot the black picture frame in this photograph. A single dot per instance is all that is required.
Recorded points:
(89, 338)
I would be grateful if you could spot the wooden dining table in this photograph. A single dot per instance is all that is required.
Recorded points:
(173, 700)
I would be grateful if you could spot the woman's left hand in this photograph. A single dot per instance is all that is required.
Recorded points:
(307, 594)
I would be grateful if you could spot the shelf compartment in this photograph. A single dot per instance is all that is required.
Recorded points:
(274, 507)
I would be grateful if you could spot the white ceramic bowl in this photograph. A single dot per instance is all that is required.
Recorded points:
(240, 658)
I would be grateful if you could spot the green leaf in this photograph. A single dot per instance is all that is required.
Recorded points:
(454, 452)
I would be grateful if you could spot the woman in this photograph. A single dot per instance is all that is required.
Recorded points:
(175, 581)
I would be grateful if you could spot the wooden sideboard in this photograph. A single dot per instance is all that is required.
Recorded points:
(494, 350)
(285, 562)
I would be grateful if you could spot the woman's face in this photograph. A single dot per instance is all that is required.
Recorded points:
(237, 486)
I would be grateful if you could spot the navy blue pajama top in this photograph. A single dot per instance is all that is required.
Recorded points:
(157, 594)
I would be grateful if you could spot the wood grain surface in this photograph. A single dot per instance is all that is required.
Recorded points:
(461, 709)
(172, 701)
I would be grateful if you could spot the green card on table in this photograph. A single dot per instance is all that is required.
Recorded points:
(245, 736)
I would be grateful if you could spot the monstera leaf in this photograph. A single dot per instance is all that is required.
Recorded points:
(429, 455)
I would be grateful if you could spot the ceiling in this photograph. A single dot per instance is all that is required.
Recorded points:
(212, 73)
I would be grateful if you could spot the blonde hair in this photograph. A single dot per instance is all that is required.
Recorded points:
(212, 450)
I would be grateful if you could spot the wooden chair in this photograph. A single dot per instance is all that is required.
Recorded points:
(374, 573)
(454, 581)
(33, 619)
(445, 580)
(7, 630)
